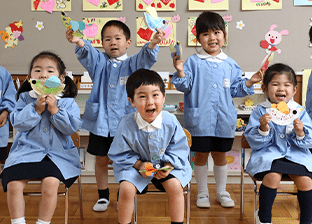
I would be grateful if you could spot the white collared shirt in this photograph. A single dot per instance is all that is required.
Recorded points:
(218, 58)
(121, 58)
(148, 127)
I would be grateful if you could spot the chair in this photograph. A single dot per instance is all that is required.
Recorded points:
(186, 190)
(76, 140)
(245, 145)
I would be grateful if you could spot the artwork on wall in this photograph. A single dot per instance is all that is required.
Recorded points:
(159, 5)
(302, 2)
(50, 5)
(12, 34)
(102, 5)
(233, 159)
(208, 4)
(261, 4)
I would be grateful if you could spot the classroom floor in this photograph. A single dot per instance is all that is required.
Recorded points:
(153, 209)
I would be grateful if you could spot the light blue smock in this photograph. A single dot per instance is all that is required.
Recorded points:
(108, 100)
(208, 91)
(7, 102)
(168, 144)
(281, 142)
(308, 103)
(45, 135)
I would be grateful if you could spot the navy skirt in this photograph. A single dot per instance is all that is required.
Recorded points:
(38, 170)
(208, 144)
(3, 153)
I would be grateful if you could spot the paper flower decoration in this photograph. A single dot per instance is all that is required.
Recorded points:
(240, 25)
(61, 4)
(39, 25)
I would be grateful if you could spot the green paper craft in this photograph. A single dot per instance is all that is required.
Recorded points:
(67, 21)
(154, 170)
(38, 86)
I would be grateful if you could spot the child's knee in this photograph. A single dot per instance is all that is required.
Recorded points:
(127, 190)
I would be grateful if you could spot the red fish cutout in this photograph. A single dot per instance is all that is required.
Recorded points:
(110, 2)
(145, 34)
(165, 1)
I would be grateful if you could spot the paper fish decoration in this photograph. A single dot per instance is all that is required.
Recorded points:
(77, 27)
(153, 21)
(51, 85)
(149, 169)
(266, 61)
(177, 48)
(282, 115)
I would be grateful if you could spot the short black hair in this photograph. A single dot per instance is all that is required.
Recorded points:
(144, 77)
(310, 34)
(118, 24)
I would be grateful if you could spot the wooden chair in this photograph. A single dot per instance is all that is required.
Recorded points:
(186, 190)
(244, 146)
(76, 139)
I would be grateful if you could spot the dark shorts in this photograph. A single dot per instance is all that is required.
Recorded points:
(285, 167)
(211, 144)
(3, 153)
(99, 145)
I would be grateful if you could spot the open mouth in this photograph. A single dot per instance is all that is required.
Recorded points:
(114, 49)
(213, 44)
(150, 111)
(281, 96)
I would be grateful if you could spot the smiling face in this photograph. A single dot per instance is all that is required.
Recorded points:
(114, 42)
(149, 101)
(43, 68)
(212, 41)
(279, 89)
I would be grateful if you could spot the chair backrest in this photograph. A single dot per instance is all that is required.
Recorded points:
(76, 139)
(188, 136)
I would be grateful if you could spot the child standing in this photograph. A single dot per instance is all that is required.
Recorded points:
(149, 135)
(209, 80)
(7, 103)
(108, 102)
(43, 147)
(280, 149)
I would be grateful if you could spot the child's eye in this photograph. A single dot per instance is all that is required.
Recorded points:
(217, 32)
(118, 38)
(155, 95)
(142, 96)
(107, 39)
(36, 70)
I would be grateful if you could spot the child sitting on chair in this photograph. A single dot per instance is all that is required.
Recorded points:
(149, 135)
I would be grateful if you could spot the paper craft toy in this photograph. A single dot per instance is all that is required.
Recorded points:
(77, 27)
(266, 61)
(12, 34)
(153, 21)
(51, 85)
(282, 115)
(149, 169)
(177, 48)
(272, 38)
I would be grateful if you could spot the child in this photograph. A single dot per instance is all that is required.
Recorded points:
(149, 135)
(309, 89)
(209, 80)
(280, 149)
(108, 100)
(7, 103)
(43, 147)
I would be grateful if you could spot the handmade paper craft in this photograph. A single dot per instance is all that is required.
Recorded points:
(261, 4)
(177, 48)
(272, 38)
(12, 34)
(208, 5)
(266, 61)
(240, 25)
(282, 115)
(302, 2)
(52, 85)
(39, 25)
(233, 159)
(103, 5)
(175, 19)
(50, 5)
(149, 169)
(159, 5)
(153, 21)
(77, 27)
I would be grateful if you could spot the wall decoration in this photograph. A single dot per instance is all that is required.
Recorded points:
(92, 31)
(233, 159)
(51, 5)
(302, 2)
(240, 25)
(261, 4)
(12, 34)
(39, 25)
(208, 4)
(159, 5)
(272, 38)
(102, 5)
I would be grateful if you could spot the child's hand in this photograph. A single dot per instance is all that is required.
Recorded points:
(72, 39)
(264, 122)
(163, 173)
(52, 104)
(298, 126)
(177, 63)
(157, 38)
(41, 102)
(3, 117)
(142, 167)
(257, 77)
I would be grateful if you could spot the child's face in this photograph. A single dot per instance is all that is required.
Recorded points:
(44, 68)
(280, 88)
(212, 41)
(149, 101)
(114, 42)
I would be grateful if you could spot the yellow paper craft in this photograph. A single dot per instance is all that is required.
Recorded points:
(97, 5)
(261, 5)
(208, 5)
(281, 107)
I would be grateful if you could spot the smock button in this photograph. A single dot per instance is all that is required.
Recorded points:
(155, 157)
(110, 105)
(151, 136)
(45, 130)
(114, 65)
(282, 136)
(111, 85)
(214, 86)
(215, 65)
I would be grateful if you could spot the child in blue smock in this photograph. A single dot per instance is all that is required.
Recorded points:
(108, 101)
(209, 80)
(7, 103)
(280, 148)
(42, 147)
(149, 135)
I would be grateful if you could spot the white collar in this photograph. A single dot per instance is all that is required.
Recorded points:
(291, 103)
(33, 94)
(121, 58)
(149, 127)
(218, 58)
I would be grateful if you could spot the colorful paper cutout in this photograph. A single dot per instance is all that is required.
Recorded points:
(208, 5)
(149, 169)
(240, 25)
(175, 19)
(39, 25)
(12, 34)
(261, 5)
(281, 118)
(177, 48)
(272, 38)
(77, 27)
(91, 30)
(46, 5)
(49, 86)
(122, 19)
(302, 2)
(61, 4)
(227, 18)
(148, 1)
(94, 2)
(266, 61)
(159, 5)
(107, 5)
(233, 159)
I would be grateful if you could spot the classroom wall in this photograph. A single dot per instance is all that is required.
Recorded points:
(244, 45)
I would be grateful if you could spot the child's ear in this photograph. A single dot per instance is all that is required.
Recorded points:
(264, 89)
(131, 101)
(129, 43)
(62, 78)
(295, 90)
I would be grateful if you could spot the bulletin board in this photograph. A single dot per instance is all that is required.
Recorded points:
(41, 30)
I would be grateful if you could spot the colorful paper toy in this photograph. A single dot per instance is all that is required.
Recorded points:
(177, 48)
(266, 61)
(153, 21)
(12, 34)
(77, 27)
(149, 169)
(282, 115)
(272, 38)
(51, 85)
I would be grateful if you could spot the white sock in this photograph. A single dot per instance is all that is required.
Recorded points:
(39, 221)
(220, 175)
(201, 179)
(18, 221)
